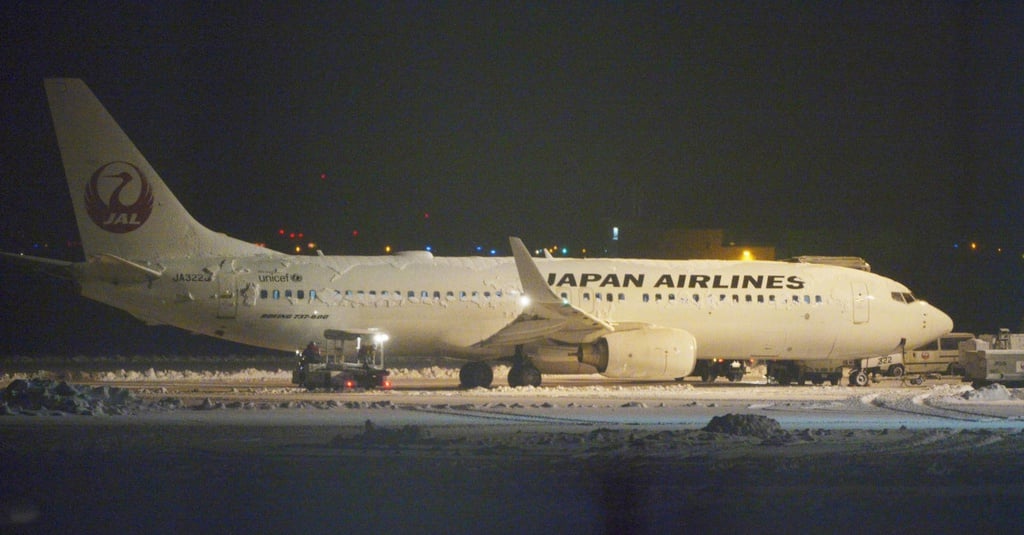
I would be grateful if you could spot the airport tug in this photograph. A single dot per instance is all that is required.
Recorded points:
(356, 362)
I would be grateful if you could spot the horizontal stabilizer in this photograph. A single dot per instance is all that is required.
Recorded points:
(117, 270)
(55, 268)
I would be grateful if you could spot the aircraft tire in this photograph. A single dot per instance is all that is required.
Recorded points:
(524, 375)
(476, 374)
(897, 370)
(858, 378)
(531, 376)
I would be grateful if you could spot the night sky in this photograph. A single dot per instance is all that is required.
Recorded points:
(893, 131)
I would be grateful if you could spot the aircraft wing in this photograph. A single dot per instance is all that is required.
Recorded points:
(547, 316)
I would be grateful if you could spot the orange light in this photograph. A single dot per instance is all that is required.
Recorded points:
(298, 249)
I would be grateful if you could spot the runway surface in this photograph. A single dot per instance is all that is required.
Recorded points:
(579, 455)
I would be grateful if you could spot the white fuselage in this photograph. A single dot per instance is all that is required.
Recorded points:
(443, 306)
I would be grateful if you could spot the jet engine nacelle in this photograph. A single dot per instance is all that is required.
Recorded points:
(654, 353)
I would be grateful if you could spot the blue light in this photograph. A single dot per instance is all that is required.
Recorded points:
(565, 250)
(429, 249)
(494, 252)
(479, 248)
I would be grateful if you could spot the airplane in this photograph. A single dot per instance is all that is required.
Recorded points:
(629, 319)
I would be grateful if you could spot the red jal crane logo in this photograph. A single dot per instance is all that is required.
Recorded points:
(113, 215)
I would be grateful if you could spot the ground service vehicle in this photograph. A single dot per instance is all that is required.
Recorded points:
(994, 359)
(353, 363)
(941, 355)
(817, 372)
(712, 369)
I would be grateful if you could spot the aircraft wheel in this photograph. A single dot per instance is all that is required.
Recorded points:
(515, 376)
(531, 376)
(524, 375)
(858, 378)
(897, 370)
(476, 374)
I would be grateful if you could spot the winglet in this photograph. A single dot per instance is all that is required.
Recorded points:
(534, 285)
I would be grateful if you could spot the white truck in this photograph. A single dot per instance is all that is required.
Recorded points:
(941, 356)
(994, 359)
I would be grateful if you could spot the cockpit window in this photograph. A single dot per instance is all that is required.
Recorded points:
(903, 297)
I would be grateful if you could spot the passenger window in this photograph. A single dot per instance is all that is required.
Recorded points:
(424, 294)
(696, 298)
(597, 297)
(622, 297)
(312, 295)
(749, 298)
(817, 299)
(586, 297)
(288, 294)
(609, 297)
(647, 298)
(263, 294)
(807, 299)
(657, 297)
(437, 295)
(411, 294)
(277, 294)
(300, 294)
(796, 299)
(672, 297)
(735, 298)
(760, 299)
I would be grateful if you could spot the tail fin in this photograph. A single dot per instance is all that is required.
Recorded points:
(122, 207)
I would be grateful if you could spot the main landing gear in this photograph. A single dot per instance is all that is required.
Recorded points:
(479, 373)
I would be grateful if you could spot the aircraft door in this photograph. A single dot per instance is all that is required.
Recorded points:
(227, 297)
(861, 303)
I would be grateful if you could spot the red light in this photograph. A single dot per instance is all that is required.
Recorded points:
(386, 385)
(350, 384)
(323, 176)
(355, 233)
(299, 235)
(426, 215)
(292, 235)
(280, 231)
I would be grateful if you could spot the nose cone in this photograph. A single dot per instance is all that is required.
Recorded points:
(938, 321)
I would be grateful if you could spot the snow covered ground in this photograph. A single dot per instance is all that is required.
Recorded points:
(182, 448)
